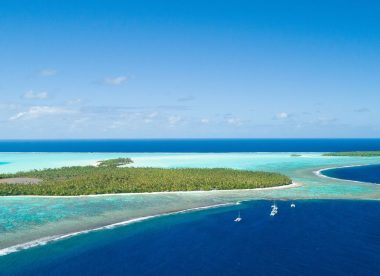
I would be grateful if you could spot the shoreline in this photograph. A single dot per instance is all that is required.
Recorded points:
(289, 186)
(56, 238)
(45, 240)
(320, 174)
(49, 239)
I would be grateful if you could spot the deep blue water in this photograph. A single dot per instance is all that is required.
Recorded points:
(191, 145)
(370, 173)
(318, 237)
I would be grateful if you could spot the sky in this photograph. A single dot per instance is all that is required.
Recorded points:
(189, 69)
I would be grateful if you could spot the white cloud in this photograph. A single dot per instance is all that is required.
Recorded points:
(117, 124)
(186, 99)
(115, 80)
(74, 101)
(234, 121)
(35, 95)
(282, 115)
(47, 72)
(326, 120)
(79, 123)
(205, 121)
(35, 112)
(361, 110)
(149, 117)
(174, 120)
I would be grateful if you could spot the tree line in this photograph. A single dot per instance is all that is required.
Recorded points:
(110, 178)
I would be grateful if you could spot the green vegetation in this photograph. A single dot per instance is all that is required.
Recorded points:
(115, 162)
(355, 154)
(109, 178)
(295, 155)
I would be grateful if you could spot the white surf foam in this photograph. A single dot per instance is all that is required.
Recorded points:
(50, 239)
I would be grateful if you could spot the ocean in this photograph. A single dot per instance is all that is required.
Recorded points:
(191, 145)
(318, 237)
(369, 173)
(332, 231)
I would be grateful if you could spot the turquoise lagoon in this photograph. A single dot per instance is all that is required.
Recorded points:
(27, 221)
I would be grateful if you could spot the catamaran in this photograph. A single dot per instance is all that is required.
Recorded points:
(274, 210)
(238, 219)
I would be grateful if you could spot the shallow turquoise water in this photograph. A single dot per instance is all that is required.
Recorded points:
(14, 162)
(23, 219)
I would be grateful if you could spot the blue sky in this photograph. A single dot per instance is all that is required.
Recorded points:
(172, 69)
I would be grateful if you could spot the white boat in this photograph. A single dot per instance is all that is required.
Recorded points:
(292, 205)
(273, 213)
(238, 219)
(274, 210)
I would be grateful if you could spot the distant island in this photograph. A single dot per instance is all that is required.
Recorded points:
(117, 162)
(109, 178)
(354, 154)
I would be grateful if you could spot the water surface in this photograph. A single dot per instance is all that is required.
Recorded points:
(191, 145)
(369, 173)
(24, 219)
(315, 238)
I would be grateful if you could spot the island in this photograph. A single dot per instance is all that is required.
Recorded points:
(113, 176)
(354, 154)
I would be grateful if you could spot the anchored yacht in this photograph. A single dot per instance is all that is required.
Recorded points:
(274, 210)
(238, 219)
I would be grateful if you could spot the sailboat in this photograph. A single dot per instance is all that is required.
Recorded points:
(274, 210)
(238, 219)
